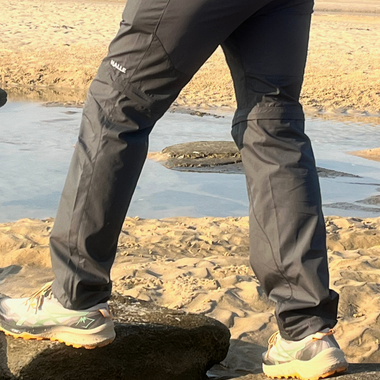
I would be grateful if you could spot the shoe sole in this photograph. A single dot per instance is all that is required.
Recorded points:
(327, 363)
(89, 339)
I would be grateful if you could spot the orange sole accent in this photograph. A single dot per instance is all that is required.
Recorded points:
(26, 336)
(297, 376)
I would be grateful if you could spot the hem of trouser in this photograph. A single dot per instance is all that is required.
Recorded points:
(60, 296)
(270, 113)
(309, 321)
(314, 325)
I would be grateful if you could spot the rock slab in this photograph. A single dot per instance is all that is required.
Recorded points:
(217, 157)
(151, 343)
(362, 371)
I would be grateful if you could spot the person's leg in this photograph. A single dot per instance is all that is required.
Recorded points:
(3, 97)
(267, 56)
(160, 45)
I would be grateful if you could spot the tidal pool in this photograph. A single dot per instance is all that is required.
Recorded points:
(36, 144)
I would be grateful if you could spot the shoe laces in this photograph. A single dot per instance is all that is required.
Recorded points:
(36, 300)
(272, 341)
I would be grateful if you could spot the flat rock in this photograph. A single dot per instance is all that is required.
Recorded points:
(329, 173)
(201, 154)
(365, 371)
(352, 206)
(215, 157)
(151, 342)
(373, 200)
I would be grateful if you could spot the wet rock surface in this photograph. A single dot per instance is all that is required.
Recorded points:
(202, 154)
(328, 173)
(216, 157)
(151, 343)
(353, 206)
(374, 200)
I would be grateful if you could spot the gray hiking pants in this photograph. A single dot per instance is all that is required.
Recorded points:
(159, 47)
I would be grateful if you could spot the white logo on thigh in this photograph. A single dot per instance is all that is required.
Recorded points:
(118, 66)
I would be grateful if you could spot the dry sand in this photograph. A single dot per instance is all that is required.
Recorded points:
(61, 43)
(201, 265)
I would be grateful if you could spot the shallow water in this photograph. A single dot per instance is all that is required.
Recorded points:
(37, 142)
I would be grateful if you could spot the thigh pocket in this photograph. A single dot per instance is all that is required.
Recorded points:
(144, 78)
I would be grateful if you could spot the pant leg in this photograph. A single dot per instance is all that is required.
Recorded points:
(3, 97)
(267, 56)
(160, 45)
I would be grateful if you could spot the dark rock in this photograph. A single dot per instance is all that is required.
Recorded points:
(374, 200)
(206, 166)
(355, 372)
(328, 173)
(351, 206)
(176, 108)
(203, 149)
(4, 370)
(151, 343)
(217, 157)
(201, 154)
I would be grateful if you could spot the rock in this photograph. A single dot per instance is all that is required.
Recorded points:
(355, 372)
(151, 343)
(203, 149)
(329, 173)
(374, 200)
(4, 370)
(351, 206)
(203, 154)
(216, 157)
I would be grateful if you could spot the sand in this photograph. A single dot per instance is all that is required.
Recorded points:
(370, 154)
(52, 49)
(201, 266)
(61, 43)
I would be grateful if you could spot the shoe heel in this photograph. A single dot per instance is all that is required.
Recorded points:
(326, 363)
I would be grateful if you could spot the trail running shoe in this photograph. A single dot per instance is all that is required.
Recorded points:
(314, 357)
(41, 316)
(3, 97)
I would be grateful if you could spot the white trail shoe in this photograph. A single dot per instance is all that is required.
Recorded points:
(315, 357)
(41, 316)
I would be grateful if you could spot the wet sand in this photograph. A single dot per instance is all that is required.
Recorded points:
(44, 47)
(370, 154)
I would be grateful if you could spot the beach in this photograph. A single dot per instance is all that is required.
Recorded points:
(50, 52)
(200, 265)
(60, 44)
